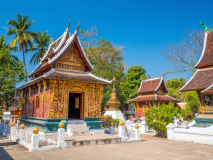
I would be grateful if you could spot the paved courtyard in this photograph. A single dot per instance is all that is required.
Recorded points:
(150, 148)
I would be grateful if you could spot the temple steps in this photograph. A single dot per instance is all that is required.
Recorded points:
(78, 129)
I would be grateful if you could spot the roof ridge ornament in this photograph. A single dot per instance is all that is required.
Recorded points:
(206, 28)
(76, 30)
(67, 30)
(51, 40)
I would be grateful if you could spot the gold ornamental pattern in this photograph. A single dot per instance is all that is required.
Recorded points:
(71, 61)
(59, 99)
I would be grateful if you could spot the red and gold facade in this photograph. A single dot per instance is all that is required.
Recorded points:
(64, 69)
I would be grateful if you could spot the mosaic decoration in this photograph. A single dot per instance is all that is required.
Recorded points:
(71, 61)
(208, 101)
(59, 99)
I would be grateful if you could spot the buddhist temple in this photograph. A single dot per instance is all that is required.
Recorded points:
(202, 80)
(61, 87)
(152, 93)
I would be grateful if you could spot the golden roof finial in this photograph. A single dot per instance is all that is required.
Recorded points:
(68, 26)
(76, 30)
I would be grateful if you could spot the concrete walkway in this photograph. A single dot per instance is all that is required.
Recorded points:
(150, 148)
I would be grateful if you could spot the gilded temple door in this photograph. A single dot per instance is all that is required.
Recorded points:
(75, 106)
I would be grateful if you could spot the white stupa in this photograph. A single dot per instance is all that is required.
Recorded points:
(113, 105)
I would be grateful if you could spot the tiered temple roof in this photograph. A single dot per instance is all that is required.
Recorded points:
(51, 65)
(153, 90)
(202, 79)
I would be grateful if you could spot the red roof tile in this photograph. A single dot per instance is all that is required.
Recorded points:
(206, 58)
(145, 98)
(202, 79)
(208, 90)
(152, 85)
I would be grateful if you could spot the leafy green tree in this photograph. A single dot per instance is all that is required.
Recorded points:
(192, 101)
(158, 118)
(20, 29)
(11, 73)
(132, 79)
(3, 45)
(42, 41)
(90, 37)
(108, 62)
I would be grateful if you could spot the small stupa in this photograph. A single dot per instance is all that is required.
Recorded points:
(113, 103)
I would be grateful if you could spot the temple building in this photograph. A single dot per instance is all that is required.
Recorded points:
(202, 80)
(152, 93)
(61, 87)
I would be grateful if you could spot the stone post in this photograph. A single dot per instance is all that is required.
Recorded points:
(12, 129)
(144, 127)
(6, 128)
(61, 135)
(1, 125)
(20, 135)
(122, 131)
(35, 139)
(111, 128)
(170, 128)
(137, 132)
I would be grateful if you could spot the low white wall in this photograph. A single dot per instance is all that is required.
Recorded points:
(192, 134)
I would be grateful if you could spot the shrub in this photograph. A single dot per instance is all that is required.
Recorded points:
(107, 119)
(116, 121)
(158, 118)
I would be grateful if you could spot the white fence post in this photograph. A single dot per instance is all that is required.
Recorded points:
(137, 132)
(20, 135)
(35, 139)
(122, 131)
(12, 129)
(61, 135)
(144, 127)
(170, 127)
(6, 128)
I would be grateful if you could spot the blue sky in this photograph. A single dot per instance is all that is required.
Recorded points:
(143, 28)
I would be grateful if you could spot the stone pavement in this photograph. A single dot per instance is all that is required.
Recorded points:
(151, 148)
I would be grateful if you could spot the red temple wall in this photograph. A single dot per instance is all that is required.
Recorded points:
(140, 111)
(31, 110)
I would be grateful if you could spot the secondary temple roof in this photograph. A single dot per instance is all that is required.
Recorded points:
(155, 97)
(206, 58)
(65, 59)
(152, 85)
(203, 77)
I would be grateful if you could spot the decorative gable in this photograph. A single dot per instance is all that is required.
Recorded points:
(71, 60)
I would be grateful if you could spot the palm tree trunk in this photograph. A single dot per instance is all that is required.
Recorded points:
(24, 65)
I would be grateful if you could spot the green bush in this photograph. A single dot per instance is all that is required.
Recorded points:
(158, 118)
(116, 121)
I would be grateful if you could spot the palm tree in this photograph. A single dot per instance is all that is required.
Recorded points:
(23, 37)
(42, 41)
(3, 46)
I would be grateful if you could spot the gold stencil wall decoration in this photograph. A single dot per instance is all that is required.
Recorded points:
(71, 61)
(39, 93)
(46, 97)
(91, 98)
(22, 100)
(30, 97)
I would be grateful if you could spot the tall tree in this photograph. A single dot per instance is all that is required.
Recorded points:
(20, 29)
(184, 54)
(42, 41)
(132, 79)
(3, 45)
(108, 62)
(11, 73)
(89, 37)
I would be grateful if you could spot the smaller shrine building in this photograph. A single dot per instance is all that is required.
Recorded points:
(152, 93)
